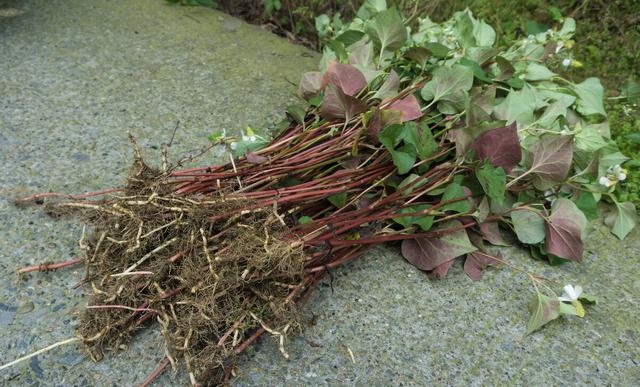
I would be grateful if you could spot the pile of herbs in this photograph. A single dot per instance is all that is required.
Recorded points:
(416, 133)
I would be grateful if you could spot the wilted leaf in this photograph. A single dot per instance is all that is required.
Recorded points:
(442, 269)
(447, 81)
(506, 69)
(409, 106)
(310, 84)
(347, 78)
(551, 160)
(529, 226)
(337, 105)
(543, 309)
(476, 262)
(254, 158)
(500, 146)
(623, 219)
(564, 230)
(429, 253)
(491, 233)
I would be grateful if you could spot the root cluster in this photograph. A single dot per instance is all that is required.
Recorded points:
(210, 284)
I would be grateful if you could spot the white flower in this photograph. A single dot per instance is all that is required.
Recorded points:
(566, 63)
(605, 181)
(570, 293)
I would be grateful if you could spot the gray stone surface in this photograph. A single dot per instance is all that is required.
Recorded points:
(76, 74)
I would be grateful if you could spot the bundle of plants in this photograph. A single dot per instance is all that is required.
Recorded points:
(413, 133)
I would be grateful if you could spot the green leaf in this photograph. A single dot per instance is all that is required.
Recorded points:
(338, 200)
(537, 72)
(587, 203)
(590, 93)
(421, 139)
(438, 50)
(403, 161)
(556, 109)
(543, 309)
(447, 81)
(483, 33)
(297, 112)
(387, 30)
(370, 8)
(304, 219)
(623, 219)
(588, 138)
(410, 183)
(518, 106)
(493, 181)
(454, 191)
(424, 221)
(529, 225)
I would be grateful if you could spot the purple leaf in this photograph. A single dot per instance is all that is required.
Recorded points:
(346, 77)
(442, 269)
(501, 146)
(564, 230)
(310, 84)
(429, 253)
(551, 160)
(476, 262)
(409, 106)
(338, 105)
(491, 233)
(255, 158)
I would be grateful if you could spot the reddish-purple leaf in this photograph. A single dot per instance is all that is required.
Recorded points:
(476, 262)
(254, 158)
(310, 84)
(429, 253)
(442, 269)
(491, 233)
(501, 146)
(564, 230)
(338, 105)
(409, 106)
(551, 159)
(346, 77)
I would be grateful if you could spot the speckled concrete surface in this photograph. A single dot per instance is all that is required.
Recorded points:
(77, 74)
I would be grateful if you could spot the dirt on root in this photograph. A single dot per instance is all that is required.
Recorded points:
(151, 255)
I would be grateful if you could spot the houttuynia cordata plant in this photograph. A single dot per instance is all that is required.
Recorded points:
(412, 132)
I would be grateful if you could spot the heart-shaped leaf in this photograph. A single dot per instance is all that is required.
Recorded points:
(429, 253)
(500, 146)
(447, 81)
(347, 78)
(387, 30)
(551, 160)
(564, 230)
(338, 105)
(409, 106)
(543, 309)
(529, 225)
